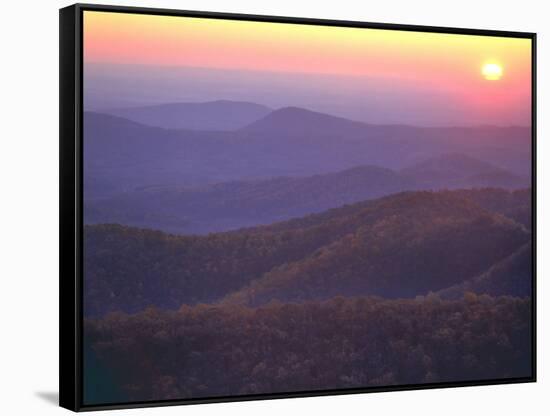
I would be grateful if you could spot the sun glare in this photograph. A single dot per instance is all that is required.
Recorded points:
(491, 71)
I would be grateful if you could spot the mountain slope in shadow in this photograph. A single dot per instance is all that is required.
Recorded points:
(399, 246)
(120, 155)
(456, 170)
(233, 205)
(511, 276)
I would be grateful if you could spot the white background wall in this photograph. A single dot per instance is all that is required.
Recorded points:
(29, 206)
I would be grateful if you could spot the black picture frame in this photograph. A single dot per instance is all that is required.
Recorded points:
(71, 218)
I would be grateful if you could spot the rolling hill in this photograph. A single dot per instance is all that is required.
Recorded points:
(399, 246)
(456, 170)
(300, 122)
(402, 246)
(510, 276)
(233, 205)
(516, 204)
(121, 155)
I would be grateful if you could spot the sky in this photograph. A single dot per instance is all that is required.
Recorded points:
(372, 75)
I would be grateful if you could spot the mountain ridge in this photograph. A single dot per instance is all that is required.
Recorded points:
(294, 115)
(510, 276)
(122, 155)
(365, 248)
(416, 229)
(237, 204)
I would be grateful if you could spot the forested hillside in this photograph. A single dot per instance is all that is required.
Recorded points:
(351, 342)
(272, 208)
(511, 276)
(398, 246)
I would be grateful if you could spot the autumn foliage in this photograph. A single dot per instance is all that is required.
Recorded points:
(207, 351)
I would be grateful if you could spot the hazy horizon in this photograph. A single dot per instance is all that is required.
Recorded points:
(111, 86)
(370, 75)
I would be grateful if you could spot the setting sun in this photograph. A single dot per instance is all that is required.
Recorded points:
(492, 71)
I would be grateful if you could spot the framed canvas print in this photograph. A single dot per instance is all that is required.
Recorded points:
(256, 207)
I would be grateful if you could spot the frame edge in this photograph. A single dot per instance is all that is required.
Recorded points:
(70, 277)
(69, 325)
(301, 20)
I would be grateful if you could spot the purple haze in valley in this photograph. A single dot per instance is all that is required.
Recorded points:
(370, 100)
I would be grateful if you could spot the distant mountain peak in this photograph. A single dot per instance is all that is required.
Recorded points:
(301, 120)
(291, 109)
(304, 114)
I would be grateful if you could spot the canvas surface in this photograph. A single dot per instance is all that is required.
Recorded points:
(273, 208)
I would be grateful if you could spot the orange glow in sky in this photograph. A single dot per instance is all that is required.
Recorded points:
(443, 61)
